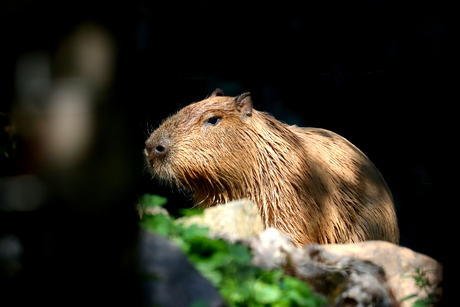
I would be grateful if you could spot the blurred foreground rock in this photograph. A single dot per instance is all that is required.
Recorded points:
(372, 273)
(169, 279)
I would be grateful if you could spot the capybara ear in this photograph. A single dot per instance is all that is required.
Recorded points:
(244, 104)
(217, 92)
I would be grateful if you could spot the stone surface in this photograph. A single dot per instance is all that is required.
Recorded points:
(235, 221)
(372, 273)
(399, 263)
(369, 273)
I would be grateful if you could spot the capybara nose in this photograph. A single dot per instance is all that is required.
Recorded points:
(159, 148)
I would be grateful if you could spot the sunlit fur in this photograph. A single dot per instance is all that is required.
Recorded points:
(310, 183)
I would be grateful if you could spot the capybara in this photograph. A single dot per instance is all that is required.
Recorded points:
(310, 183)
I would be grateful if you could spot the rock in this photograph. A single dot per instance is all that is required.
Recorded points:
(272, 249)
(372, 273)
(169, 279)
(400, 265)
(236, 221)
(346, 280)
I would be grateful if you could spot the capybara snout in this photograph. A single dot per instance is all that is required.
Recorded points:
(156, 148)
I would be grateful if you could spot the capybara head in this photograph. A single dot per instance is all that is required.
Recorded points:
(310, 183)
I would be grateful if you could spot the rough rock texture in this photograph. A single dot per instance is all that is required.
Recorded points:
(236, 221)
(169, 279)
(399, 264)
(372, 273)
(345, 281)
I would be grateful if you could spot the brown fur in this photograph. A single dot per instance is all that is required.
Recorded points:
(310, 183)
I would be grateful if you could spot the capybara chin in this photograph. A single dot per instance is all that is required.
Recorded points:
(310, 183)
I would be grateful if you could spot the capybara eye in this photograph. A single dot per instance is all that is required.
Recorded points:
(212, 121)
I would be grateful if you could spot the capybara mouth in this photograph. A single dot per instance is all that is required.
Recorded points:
(158, 169)
(162, 173)
(165, 173)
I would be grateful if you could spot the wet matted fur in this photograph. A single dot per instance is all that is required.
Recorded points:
(310, 183)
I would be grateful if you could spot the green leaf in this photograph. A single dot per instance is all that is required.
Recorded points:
(290, 282)
(294, 296)
(159, 223)
(151, 200)
(409, 297)
(191, 211)
(208, 270)
(234, 294)
(240, 253)
(206, 247)
(193, 231)
(265, 293)
(183, 244)
(272, 277)
(421, 303)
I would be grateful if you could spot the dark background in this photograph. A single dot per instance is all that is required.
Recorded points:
(376, 72)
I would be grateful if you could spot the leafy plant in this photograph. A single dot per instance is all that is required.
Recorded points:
(150, 200)
(228, 266)
(423, 283)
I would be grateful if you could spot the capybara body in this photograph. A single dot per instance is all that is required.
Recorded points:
(310, 183)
